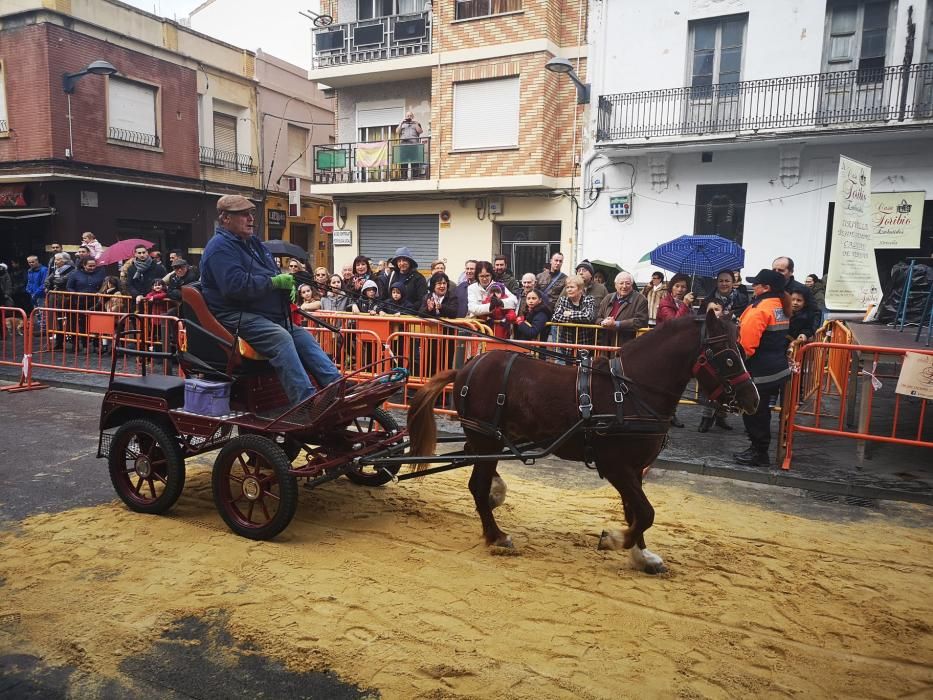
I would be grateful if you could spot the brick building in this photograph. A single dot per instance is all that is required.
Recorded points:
(492, 170)
(150, 148)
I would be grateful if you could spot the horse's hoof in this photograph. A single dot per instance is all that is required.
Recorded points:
(604, 541)
(503, 547)
(655, 569)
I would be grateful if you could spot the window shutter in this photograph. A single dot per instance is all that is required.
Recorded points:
(486, 114)
(131, 106)
(381, 116)
(224, 133)
(3, 116)
(297, 149)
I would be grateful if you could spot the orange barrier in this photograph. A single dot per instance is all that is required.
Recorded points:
(16, 347)
(810, 359)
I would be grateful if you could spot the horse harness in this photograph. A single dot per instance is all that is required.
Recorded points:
(492, 429)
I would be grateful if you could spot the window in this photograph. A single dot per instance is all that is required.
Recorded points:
(131, 112)
(468, 9)
(720, 210)
(716, 54)
(4, 124)
(368, 9)
(298, 139)
(224, 133)
(857, 38)
(486, 114)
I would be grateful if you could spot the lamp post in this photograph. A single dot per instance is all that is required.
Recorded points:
(562, 65)
(70, 80)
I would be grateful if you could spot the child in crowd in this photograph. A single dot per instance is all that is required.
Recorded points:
(396, 298)
(502, 319)
(308, 300)
(156, 304)
(368, 303)
(800, 326)
(711, 413)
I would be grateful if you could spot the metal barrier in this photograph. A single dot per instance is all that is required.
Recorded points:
(16, 347)
(806, 398)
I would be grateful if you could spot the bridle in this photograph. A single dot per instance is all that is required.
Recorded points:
(719, 369)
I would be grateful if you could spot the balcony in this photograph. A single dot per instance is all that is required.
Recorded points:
(822, 101)
(134, 138)
(374, 161)
(377, 39)
(228, 161)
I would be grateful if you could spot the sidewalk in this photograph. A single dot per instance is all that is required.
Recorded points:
(826, 466)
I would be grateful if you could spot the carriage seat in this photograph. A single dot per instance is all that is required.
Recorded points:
(157, 386)
(219, 356)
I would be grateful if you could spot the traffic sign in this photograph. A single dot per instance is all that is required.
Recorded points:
(327, 224)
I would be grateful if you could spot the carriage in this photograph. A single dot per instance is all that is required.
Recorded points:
(266, 446)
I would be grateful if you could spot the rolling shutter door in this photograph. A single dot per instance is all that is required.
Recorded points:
(131, 107)
(381, 236)
(224, 133)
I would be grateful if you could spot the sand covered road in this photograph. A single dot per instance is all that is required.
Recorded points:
(392, 589)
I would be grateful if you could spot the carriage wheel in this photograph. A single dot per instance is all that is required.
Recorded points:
(379, 422)
(147, 466)
(253, 491)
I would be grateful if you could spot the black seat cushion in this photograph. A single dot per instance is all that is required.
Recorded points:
(172, 389)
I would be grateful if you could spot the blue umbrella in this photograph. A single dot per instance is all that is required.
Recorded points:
(699, 255)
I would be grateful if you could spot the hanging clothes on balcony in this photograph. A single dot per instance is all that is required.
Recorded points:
(372, 155)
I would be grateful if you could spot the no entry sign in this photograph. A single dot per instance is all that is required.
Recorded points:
(327, 224)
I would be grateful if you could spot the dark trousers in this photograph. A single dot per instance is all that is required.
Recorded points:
(758, 424)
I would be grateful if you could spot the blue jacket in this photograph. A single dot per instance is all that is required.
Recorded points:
(35, 282)
(86, 282)
(236, 276)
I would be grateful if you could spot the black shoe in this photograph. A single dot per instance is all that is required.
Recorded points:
(706, 422)
(721, 422)
(752, 457)
(676, 422)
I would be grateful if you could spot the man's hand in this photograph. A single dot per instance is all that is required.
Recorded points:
(283, 281)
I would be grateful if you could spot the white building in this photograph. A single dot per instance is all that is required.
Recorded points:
(729, 116)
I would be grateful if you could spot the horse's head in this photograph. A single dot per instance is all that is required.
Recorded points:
(720, 370)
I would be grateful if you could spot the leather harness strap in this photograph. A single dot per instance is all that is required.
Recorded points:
(492, 429)
(584, 385)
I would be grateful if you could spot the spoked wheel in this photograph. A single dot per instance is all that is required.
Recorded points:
(253, 491)
(147, 467)
(372, 428)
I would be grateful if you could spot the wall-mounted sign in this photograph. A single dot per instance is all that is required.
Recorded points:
(896, 219)
(294, 196)
(88, 198)
(343, 237)
(276, 217)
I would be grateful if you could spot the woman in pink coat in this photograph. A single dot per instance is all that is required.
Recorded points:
(677, 302)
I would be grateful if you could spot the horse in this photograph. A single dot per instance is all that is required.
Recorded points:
(506, 399)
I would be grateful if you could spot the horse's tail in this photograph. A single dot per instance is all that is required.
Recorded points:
(422, 429)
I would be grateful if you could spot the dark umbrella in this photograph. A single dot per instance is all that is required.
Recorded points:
(285, 249)
(699, 255)
(122, 250)
(609, 270)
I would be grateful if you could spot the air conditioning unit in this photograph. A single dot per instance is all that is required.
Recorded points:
(496, 206)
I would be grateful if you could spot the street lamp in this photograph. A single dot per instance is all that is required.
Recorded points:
(562, 65)
(70, 80)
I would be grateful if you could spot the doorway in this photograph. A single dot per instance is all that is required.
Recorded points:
(529, 247)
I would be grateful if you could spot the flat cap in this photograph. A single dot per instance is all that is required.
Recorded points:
(234, 202)
(180, 262)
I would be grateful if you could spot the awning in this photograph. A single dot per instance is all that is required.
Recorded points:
(9, 213)
(13, 196)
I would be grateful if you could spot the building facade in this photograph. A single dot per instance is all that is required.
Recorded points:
(729, 117)
(492, 167)
(142, 152)
(295, 116)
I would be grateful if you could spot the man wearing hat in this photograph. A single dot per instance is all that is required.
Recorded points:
(244, 289)
(763, 336)
(182, 273)
(595, 289)
(414, 286)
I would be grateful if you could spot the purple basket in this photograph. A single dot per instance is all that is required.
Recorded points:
(207, 398)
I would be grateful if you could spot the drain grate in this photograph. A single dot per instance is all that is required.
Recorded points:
(860, 501)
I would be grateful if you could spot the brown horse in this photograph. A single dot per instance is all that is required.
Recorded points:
(541, 401)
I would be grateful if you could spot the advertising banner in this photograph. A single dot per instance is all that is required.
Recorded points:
(852, 282)
(896, 219)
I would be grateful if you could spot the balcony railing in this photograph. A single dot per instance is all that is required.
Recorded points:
(468, 9)
(134, 137)
(3, 126)
(373, 161)
(227, 160)
(372, 40)
(844, 98)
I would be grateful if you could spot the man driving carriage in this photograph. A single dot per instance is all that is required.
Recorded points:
(246, 292)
